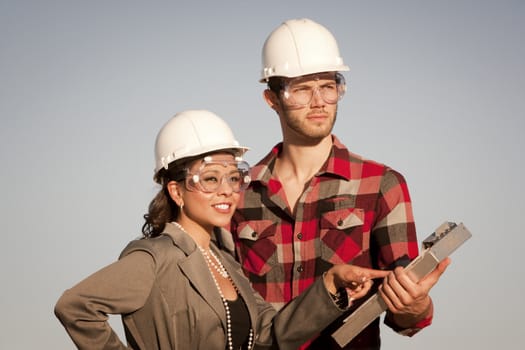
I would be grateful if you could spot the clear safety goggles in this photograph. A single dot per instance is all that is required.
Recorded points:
(212, 174)
(298, 92)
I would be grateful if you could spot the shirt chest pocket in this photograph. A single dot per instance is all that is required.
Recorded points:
(341, 235)
(257, 248)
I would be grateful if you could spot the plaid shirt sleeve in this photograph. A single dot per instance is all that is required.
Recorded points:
(396, 235)
(394, 230)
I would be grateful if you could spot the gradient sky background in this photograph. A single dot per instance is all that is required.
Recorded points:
(436, 91)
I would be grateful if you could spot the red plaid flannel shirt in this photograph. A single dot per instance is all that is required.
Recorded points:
(352, 211)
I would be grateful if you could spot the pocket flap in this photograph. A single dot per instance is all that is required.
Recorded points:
(342, 218)
(254, 230)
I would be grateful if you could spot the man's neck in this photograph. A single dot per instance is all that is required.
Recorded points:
(301, 162)
(296, 165)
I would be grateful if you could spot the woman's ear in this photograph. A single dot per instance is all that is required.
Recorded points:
(175, 192)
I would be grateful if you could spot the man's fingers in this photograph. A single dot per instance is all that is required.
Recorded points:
(432, 278)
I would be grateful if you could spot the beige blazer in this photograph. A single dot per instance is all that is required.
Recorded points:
(163, 290)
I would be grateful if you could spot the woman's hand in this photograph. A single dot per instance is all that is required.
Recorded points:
(356, 280)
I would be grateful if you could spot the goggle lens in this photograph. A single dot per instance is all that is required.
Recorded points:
(297, 92)
(209, 178)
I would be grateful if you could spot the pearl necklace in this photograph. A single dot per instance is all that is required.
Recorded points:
(219, 267)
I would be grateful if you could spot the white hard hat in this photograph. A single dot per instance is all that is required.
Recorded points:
(300, 47)
(192, 133)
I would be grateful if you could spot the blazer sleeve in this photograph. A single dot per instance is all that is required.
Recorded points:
(300, 320)
(119, 288)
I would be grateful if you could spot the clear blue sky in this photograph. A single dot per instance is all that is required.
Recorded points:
(436, 92)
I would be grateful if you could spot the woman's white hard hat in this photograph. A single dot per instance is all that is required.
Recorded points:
(192, 133)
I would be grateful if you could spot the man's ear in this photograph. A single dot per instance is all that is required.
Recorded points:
(272, 99)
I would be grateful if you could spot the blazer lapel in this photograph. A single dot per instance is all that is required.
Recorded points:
(194, 267)
(196, 270)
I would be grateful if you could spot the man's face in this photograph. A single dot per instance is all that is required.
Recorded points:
(308, 106)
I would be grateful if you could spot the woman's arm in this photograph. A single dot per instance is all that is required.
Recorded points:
(119, 288)
(315, 308)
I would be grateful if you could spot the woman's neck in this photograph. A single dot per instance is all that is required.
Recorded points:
(199, 234)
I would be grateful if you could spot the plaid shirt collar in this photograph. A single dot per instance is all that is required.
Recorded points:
(336, 165)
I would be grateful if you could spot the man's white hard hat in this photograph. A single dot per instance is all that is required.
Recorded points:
(300, 47)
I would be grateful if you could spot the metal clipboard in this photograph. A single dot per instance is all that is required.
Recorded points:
(436, 247)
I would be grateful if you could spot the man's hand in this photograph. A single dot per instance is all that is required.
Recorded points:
(407, 300)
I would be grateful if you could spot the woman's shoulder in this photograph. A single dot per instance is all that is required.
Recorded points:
(158, 246)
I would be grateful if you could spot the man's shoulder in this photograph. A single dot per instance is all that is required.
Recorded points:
(368, 162)
(358, 163)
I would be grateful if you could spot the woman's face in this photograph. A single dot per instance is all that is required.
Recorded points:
(211, 190)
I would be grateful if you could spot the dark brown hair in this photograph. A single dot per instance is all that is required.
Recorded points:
(275, 84)
(162, 209)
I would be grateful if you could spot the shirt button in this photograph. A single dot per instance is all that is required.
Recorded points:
(300, 268)
(340, 222)
(299, 235)
(254, 234)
